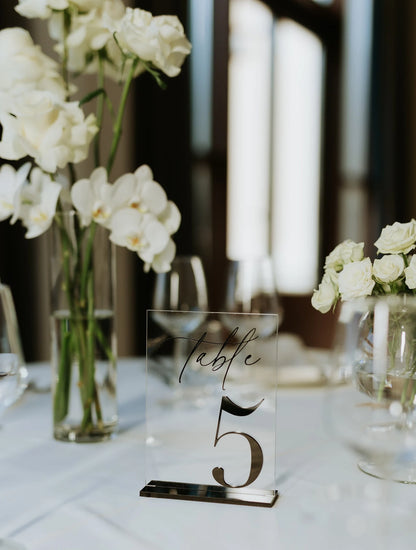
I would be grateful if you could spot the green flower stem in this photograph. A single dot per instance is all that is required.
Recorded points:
(60, 405)
(120, 114)
(90, 390)
(87, 265)
(64, 63)
(100, 109)
(104, 346)
(81, 332)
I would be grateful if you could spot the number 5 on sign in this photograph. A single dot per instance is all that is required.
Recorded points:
(256, 463)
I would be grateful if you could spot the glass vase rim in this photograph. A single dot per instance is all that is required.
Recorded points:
(390, 300)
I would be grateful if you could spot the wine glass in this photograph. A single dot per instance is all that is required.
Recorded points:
(180, 303)
(10, 386)
(371, 402)
(9, 379)
(251, 288)
(10, 338)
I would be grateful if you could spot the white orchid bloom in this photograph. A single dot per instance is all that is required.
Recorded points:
(37, 203)
(93, 198)
(11, 181)
(140, 191)
(161, 262)
(140, 233)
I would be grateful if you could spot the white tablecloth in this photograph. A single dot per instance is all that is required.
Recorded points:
(64, 496)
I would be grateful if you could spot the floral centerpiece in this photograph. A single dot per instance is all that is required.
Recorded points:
(361, 284)
(51, 133)
(349, 275)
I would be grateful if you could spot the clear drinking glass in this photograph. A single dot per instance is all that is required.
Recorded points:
(371, 402)
(10, 342)
(10, 376)
(251, 288)
(182, 289)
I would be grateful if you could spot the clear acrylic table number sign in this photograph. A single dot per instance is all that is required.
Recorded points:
(211, 425)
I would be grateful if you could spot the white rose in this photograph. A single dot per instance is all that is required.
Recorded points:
(398, 238)
(40, 8)
(326, 296)
(355, 280)
(388, 268)
(410, 273)
(89, 33)
(24, 67)
(54, 133)
(344, 253)
(158, 40)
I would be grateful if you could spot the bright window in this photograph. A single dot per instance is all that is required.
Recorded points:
(275, 99)
(296, 157)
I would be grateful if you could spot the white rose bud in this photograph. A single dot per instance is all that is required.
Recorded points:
(399, 238)
(344, 253)
(326, 296)
(410, 273)
(388, 268)
(160, 40)
(355, 280)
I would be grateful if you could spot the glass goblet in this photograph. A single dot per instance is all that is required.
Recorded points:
(10, 338)
(183, 290)
(371, 402)
(251, 288)
(9, 379)
(9, 384)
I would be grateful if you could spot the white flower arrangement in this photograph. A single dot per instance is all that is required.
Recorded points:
(41, 122)
(348, 275)
(46, 129)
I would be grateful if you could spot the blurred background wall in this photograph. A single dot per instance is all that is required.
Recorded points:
(291, 127)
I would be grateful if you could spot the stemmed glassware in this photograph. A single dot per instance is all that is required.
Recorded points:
(369, 409)
(10, 338)
(251, 288)
(9, 378)
(371, 402)
(182, 290)
(11, 384)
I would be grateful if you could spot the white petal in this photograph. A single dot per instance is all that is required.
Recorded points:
(162, 261)
(154, 197)
(171, 217)
(83, 199)
(144, 173)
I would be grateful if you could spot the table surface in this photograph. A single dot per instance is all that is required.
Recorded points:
(66, 496)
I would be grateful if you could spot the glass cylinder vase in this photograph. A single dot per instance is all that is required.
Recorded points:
(83, 337)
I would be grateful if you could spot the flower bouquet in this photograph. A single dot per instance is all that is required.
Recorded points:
(379, 309)
(51, 132)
